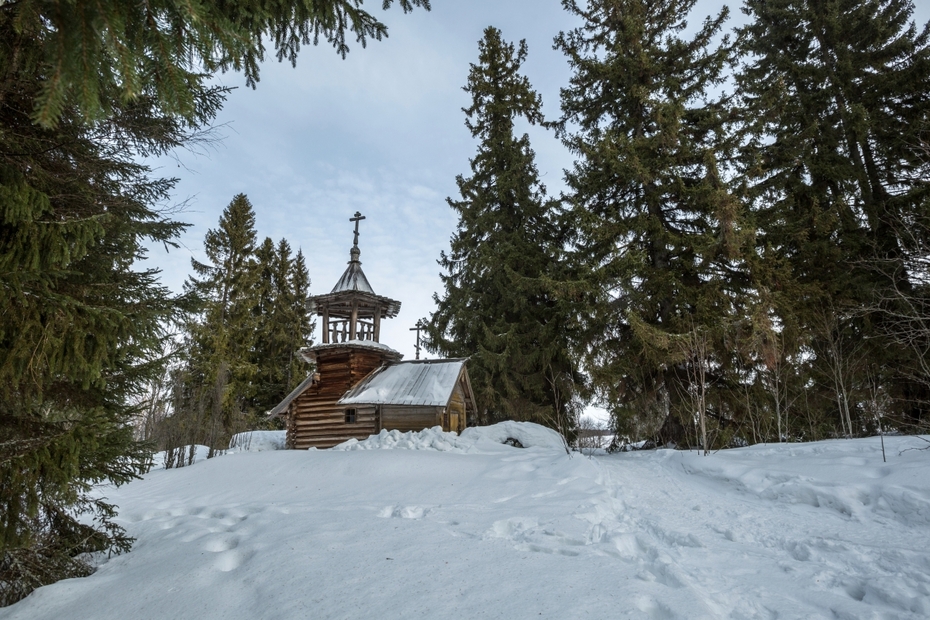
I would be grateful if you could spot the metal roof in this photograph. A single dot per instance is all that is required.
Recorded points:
(423, 382)
(353, 278)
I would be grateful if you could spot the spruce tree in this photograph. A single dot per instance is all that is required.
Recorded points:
(284, 325)
(222, 334)
(497, 307)
(98, 54)
(82, 322)
(298, 320)
(838, 92)
(241, 348)
(660, 244)
(267, 294)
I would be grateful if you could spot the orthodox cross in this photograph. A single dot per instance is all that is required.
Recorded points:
(358, 217)
(417, 329)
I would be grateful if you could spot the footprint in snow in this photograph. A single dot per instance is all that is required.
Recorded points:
(218, 544)
(513, 528)
(231, 560)
(654, 609)
(403, 512)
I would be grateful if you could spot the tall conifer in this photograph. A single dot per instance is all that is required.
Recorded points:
(82, 322)
(839, 95)
(284, 325)
(100, 53)
(497, 307)
(222, 334)
(660, 242)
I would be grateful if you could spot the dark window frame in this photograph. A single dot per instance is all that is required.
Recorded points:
(351, 415)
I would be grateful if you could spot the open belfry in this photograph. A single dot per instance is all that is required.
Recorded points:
(360, 386)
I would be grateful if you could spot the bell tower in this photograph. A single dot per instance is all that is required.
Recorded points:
(351, 316)
(352, 312)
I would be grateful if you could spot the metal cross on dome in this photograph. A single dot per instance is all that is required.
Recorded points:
(358, 218)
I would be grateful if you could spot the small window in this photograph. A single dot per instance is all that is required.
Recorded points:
(351, 416)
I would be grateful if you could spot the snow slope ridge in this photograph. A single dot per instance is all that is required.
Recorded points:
(478, 439)
(860, 487)
(500, 532)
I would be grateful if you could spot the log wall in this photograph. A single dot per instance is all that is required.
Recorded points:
(456, 410)
(410, 417)
(314, 419)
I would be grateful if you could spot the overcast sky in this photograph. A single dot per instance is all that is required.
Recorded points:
(381, 132)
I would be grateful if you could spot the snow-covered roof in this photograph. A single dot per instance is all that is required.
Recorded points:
(297, 391)
(310, 352)
(421, 382)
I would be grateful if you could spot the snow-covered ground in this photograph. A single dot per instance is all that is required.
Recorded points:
(431, 525)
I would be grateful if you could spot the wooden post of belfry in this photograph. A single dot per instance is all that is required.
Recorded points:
(377, 335)
(353, 325)
(325, 325)
(417, 329)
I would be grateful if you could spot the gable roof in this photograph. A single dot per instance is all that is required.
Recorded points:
(415, 382)
(297, 391)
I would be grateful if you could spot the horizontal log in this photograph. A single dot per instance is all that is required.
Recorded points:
(328, 419)
(329, 441)
(332, 437)
(316, 404)
(410, 409)
(410, 423)
(322, 412)
(315, 412)
(334, 432)
(328, 408)
(321, 395)
(338, 425)
(333, 419)
(332, 397)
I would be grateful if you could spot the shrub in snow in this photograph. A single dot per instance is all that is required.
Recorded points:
(181, 456)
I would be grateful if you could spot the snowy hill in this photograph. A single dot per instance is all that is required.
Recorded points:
(436, 526)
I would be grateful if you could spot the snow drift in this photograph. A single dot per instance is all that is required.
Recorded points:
(478, 439)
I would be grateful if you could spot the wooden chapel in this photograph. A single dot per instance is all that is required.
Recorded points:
(359, 385)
